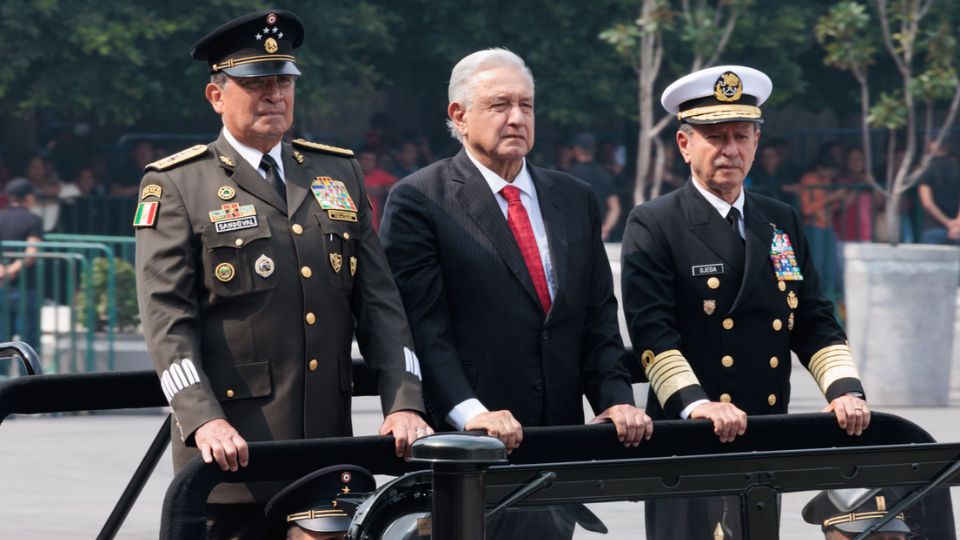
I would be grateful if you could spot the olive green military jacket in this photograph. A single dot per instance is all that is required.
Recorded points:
(249, 305)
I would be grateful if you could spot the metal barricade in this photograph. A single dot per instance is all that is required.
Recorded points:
(62, 284)
(97, 215)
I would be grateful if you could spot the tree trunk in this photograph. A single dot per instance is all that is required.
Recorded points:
(892, 217)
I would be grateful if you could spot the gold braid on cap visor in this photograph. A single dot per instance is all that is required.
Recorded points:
(720, 112)
(233, 62)
(314, 514)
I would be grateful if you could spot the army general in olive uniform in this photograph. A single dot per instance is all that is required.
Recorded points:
(719, 288)
(256, 265)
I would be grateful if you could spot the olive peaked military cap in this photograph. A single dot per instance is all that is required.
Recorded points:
(718, 94)
(316, 501)
(257, 44)
(853, 510)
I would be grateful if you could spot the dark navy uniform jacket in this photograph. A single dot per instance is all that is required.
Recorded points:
(708, 315)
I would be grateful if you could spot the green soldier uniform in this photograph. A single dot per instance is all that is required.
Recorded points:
(249, 302)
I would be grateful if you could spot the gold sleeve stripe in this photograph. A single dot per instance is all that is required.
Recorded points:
(830, 364)
(669, 372)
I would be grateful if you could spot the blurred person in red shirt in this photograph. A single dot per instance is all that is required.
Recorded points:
(377, 181)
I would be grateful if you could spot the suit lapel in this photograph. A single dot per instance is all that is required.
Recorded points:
(556, 225)
(479, 203)
(298, 180)
(707, 225)
(759, 234)
(245, 176)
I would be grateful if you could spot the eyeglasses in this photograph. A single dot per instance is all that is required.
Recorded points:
(258, 84)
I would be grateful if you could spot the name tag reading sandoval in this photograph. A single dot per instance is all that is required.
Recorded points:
(707, 269)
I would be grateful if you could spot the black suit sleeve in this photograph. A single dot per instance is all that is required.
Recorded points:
(410, 241)
(649, 282)
(605, 376)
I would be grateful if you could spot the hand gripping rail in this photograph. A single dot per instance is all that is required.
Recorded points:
(779, 453)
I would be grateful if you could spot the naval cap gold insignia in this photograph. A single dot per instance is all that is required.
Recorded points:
(728, 87)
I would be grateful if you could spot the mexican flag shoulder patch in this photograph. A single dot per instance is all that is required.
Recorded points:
(146, 215)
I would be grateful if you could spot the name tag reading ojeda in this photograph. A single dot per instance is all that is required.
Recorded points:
(707, 269)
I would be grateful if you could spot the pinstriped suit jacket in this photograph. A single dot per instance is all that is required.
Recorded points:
(477, 325)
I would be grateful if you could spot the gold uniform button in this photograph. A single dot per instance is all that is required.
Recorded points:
(311, 318)
(728, 324)
(713, 283)
(346, 236)
(313, 364)
(296, 228)
(229, 393)
(727, 361)
(772, 400)
(725, 398)
(306, 272)
(782, 285)
(774, 361)
(777, 324)
(238, 242)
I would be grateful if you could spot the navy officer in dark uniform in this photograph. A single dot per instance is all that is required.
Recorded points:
(257, 263)
(719, 288)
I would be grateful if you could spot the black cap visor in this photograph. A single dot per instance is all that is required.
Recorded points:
(262, 69)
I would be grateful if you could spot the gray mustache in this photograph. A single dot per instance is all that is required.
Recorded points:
(725, 163)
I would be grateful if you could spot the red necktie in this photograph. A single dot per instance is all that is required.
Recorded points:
(519, 223)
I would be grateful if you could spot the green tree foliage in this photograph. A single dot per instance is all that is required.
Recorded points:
(118, 62)
(128, 313)
(575, 74)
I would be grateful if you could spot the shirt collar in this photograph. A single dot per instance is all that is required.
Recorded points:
(523, 181)
(252, 155)
(721, 205)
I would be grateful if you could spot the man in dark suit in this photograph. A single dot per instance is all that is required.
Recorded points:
(256, 264)
(719, 288)
(503, 275)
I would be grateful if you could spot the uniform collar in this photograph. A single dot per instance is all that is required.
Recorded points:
(523, 181)
(252, 155)
(721, 205)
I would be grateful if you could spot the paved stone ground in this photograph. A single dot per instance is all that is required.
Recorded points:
(60, 476)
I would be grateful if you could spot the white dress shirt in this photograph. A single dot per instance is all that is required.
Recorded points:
(465, 410)
(723, 207)
(254, 157)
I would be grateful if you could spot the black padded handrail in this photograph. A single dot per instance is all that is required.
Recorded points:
(114, 390)
(183, 509)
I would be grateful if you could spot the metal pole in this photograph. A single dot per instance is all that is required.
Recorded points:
(459, 463)
(136, 483)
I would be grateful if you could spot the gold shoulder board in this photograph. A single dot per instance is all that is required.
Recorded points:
(180, 157)
(326, 148)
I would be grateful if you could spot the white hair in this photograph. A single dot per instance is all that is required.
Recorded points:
(462, 77)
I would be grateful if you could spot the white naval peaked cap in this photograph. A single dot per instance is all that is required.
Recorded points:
(718, 94)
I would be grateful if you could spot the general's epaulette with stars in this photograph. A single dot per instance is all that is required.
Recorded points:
(317, 147)
(179, 158)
